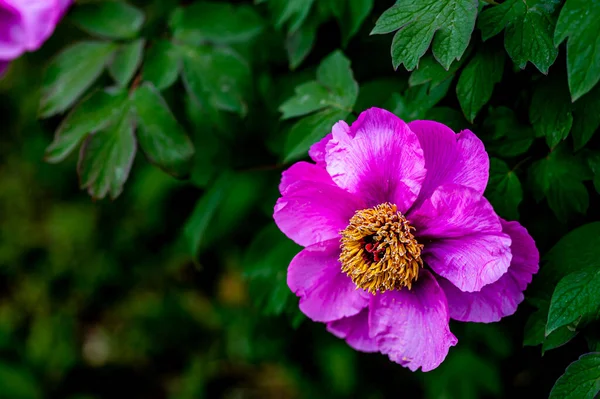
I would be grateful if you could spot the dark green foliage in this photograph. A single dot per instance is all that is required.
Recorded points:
(185, 113)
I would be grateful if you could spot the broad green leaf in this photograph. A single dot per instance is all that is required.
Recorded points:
(309, 97)
(535, 331)
(299, 43)
(504, 190)
(559, 337)
(550, 111)
(265, 266)
(350, 15)
(528, 26)
(429, 70)
(559, 177)
(309, 130)
(215, 22)
(452, 22)
(216, 77)
(162, 64)
(476, 83)
(108, 19)
(417, 100)
(196, 228)
(586, 118)
(581, 379)
(160, 136)
(578, 21)
(509, 137)
(128, 58)
(71, 73)
(290, 12)
(18, 383)
(575, 295)
(106, 158)
(93, 113)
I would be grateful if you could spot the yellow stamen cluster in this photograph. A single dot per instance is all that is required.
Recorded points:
(379, 251)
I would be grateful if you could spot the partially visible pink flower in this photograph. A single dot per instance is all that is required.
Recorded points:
(26, 24)
(399, 239)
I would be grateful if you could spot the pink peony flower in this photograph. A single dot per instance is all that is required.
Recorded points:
(399, 239)
(26, 24)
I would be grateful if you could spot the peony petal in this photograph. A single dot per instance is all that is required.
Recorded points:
(501, 298)
(311, 212)
(40, 18)
(411, 326)
(355, 330)
(326, 294)
(454, 211)
(450, 158)
(11, 32)
(383, 162)
(470, 262)
(303, 171)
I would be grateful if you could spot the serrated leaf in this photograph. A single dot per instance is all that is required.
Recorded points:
(162, 64)
(504, 190)
(216, 77)
(127, 60)
(559, 177)
(350, 15)
(106, 158)
(528, 26)
(309, 130)
(581, 379)
(109, 19)
(550, 111)
(160, 136)
(417, 21)
(586, 118)
(215, 22)
(71, 73)
(578, 21)
(93, 113)
(417, 100)
(575, 295)
(477, 80)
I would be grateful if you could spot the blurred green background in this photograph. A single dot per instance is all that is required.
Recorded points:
(177, 288)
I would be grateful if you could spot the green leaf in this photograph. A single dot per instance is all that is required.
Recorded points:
(126, 62)
(290, 12)
(594, 164)
(265, 266)
(93, 113)
(550, 111)
(504, 190)
(71, 73)
(309, 130)
(575, 295)
(528, 28)
(535, 332)
(578, 21)
(450, 117)
(417, 100)
(350, 15)
(452, 22)
(215, 22)
(162, 64)
(429, 70)
(160, 136)
(109, 19)
(377, 93)
(581, 379)
(559, 177)
(299, 43)
(18, 383)
(509, 138)
(106, 158)
(586, 118)
(333, 94)
(476, 83)
(216, 77)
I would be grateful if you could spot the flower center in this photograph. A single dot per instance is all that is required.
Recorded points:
(379, 252)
